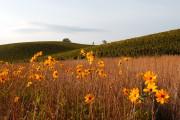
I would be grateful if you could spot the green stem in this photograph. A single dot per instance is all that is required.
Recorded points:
(90, 112)
(153, 110)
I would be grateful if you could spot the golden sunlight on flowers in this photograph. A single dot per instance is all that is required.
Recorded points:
(149, 77)
(50, 61)
(126, 58)
(87, 72)
(4, 75)
(117, 89)
(38, 77)
(4, 72)
(34, 58)
(79, 71)
(55, 74)
(162, 96)
(89, 98)
(90, 57)
(82, 52)
(134, 95)
(151, 87)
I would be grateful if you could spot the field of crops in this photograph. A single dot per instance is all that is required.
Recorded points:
(144, 88)
(164, 43)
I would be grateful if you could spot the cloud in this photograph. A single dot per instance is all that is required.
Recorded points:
(37, 27)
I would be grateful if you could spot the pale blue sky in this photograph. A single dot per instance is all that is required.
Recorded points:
(85, 21)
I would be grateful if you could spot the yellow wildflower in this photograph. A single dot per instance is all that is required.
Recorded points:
(90, 57)
(55, 74)
(89, 98)
(149, 77)
(134, 95)
(126, 58)
(82, 52)
(151, 87)
(34, 58)
(38, 77)
(120, 62)
(50, 61)
(162, 96)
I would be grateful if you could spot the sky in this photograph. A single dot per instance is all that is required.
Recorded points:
(85, 21)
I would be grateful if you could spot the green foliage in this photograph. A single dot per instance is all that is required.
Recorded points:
(165, 43)
(67, 40)
(104, 42)
(24, 51)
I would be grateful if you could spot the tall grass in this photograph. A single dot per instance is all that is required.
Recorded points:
(63, 99)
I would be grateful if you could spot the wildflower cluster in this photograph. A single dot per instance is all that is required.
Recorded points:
(18, 71)
(89, 55)
(50, 61)
(34, 58)
(81, 72)
(4, 75)
(36, 76)
(151, 90)
(101, 73)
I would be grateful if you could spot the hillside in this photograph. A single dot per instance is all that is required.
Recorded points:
(164, 43)
(22, 51)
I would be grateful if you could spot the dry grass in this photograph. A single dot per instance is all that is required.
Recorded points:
(63, 99)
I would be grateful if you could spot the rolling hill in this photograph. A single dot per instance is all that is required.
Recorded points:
(164, 43)
(23, 51)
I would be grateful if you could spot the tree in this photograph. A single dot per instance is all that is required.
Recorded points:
(93, 43)
(104, 42)
(67, 40)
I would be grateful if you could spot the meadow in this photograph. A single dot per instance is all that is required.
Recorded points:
(90, 89)
(25, 50)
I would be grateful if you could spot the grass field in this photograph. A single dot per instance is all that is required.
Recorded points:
(135, 79)
(56, 90)
(23, 51)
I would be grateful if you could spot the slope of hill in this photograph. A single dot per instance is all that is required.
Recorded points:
(164, 43)
(23, 51)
